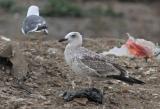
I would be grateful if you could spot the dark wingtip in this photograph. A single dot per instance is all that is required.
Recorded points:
(136, 81)
(129, 80)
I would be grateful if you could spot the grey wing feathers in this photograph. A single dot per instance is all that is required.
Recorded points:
(106, 68)
(102, 67)
(34, 23)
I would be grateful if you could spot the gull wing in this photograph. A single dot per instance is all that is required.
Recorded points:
(102, 67)
(106, 68)
(33, 23)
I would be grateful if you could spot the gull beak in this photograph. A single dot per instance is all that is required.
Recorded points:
(62, 40)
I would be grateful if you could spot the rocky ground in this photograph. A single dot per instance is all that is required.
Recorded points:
(50, 77)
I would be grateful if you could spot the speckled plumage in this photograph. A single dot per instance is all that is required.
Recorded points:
(88, 63)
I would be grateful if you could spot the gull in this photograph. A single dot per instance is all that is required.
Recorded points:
(87, 63)
(33, 22)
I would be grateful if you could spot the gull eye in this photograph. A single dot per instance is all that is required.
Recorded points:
(73, 36)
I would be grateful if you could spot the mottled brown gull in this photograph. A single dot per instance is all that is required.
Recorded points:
(87, 63)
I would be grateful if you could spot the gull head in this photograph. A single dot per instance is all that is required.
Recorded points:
(33, 10)
(73, 38)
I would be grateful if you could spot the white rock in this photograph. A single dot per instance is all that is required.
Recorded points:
(39, 58)
(5, 38)
(52, 51)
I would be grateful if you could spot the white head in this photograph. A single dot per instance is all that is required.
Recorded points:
(73, 38)
(33, 10)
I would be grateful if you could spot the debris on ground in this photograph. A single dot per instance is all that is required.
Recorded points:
(140, 47)
(92, 94)
(123, 51)
(135, 48)
(157, 53)
(4, 38)
(52, 51)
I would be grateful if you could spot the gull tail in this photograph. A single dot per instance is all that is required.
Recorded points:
(130, 80)
(42, 27)
(125, 77)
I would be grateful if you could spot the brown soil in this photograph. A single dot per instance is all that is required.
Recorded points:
(50, 77)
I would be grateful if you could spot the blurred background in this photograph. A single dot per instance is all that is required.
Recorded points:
(93, 18)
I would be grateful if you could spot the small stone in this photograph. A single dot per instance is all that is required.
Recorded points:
(52, 51)
(151, 70)
(38, 96)
(39, 58)
(47, 103)
(81, 101)
(67, 105)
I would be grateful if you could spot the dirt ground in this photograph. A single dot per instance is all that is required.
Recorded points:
(50, 77)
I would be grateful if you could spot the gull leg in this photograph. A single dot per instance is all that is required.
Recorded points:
(27, 43)
(90, 82)
(146, 59)
(73, 84)
(40, 41)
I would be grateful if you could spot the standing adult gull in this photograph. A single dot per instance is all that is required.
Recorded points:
(33, 22)
(90, 64)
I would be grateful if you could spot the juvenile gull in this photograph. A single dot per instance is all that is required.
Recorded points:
(90, 64)
(33, 22)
